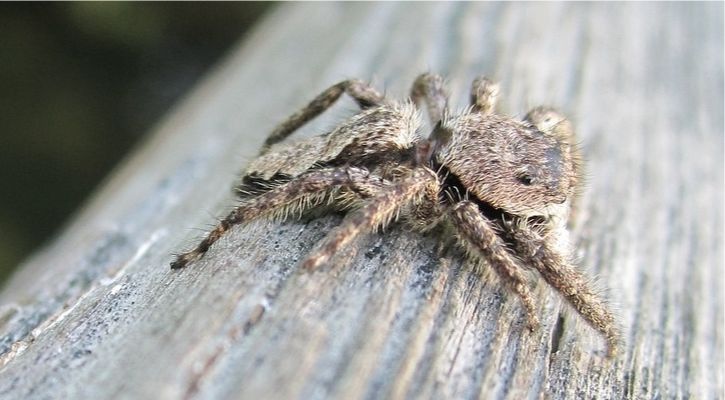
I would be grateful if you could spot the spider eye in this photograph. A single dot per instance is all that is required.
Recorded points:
(526, 179)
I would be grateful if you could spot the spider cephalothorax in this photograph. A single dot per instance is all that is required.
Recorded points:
(503, 187)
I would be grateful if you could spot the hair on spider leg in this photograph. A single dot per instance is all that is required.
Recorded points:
(503, 186)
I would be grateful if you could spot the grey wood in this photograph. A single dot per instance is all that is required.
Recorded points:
(98, 313)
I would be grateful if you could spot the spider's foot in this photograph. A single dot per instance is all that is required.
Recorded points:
(611, 352)
(532, 322)
(185, 259)
(614, 344)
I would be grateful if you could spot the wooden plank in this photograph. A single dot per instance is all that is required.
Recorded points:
(98, 314)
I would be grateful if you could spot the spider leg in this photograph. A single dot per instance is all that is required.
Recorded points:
(378, 211)
(567, 280)
(427, 213)
(363, 94)
(484, 95)
(481, 242)
(431, 89)
(296, 195)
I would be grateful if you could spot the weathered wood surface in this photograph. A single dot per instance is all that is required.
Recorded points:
(98, 313)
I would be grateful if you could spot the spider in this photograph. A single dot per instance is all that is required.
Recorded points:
(503, 187)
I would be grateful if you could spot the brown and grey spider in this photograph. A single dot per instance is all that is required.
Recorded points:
(503, 186)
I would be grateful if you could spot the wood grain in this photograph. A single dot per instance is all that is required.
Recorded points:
(98, 313)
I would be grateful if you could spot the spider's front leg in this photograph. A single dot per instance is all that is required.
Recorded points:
(363, 94)
(299, 194)
(481, 242)
(378, 211)
(567, 280)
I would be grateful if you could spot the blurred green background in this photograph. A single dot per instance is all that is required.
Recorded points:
(80, 83)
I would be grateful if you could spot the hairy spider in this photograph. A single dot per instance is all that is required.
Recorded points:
(503, 187)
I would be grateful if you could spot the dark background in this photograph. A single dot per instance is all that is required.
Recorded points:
(80, 83)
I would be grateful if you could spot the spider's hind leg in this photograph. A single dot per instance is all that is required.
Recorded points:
(295, 196)
(363, 94)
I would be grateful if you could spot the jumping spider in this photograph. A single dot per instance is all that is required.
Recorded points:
(503, 187)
